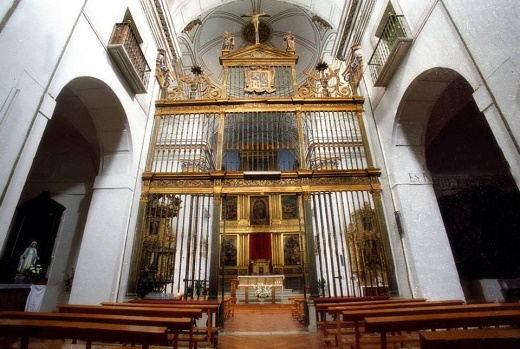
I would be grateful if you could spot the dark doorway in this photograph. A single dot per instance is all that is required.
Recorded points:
(37, 220)
(478, 197)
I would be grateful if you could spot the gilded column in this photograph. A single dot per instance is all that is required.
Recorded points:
(362, 130)
(220, 140)
(301, 138)
(153, 141)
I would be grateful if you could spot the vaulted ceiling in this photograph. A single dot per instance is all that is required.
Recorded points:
(313, 23)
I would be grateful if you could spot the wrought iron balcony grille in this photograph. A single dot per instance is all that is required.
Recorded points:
(390, 49)
(124, 48)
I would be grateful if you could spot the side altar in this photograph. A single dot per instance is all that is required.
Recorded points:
(273, 281)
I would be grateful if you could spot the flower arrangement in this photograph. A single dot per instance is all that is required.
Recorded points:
(34, 272)
(263, 291)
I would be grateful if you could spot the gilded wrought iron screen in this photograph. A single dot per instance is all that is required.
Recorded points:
(174, 241)
(348, 242)
(333, 141)
(184, 143)
(260, 141)
(310, 208)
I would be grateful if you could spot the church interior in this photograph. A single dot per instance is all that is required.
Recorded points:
(232, 151)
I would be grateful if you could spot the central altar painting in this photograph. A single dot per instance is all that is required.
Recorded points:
(261, 236)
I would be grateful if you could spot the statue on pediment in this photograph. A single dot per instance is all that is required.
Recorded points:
(288, 42)
(228, 42)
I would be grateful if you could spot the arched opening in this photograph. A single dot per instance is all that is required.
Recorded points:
(440, 128)
(477, 195)
(80, 141)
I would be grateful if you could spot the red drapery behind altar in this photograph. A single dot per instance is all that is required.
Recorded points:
(260, 246)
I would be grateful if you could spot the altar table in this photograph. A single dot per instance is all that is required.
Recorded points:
(274, 281)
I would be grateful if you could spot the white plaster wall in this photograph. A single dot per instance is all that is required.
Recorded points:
(35, 69)
(32, 41)
(102, 247)
(428, 257)
(86, 55)
(482, 47)
(490, 32)
(110, 225)
(67, 244)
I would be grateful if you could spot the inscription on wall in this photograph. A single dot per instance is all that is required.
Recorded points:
(457, 182)
(419, 177)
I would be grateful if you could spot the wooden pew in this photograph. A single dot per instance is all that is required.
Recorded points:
(482, 338)
(324, 302)
(432, 307)
(87, 331)
(322, 308)
(211, 308)
(175, 325)
(342, 322)
(333, 310)
(194, 313)
(411, 323)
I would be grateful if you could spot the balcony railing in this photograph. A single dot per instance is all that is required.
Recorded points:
(125, 50)
(390, 50)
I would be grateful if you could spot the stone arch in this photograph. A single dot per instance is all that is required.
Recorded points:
(87, 138)
(109, 120)
(471, 181)
(414, 109)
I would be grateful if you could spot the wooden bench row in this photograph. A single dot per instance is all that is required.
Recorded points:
(332, 324)
(211, 310)
(321, 304)
(122, 322)
(328, 312)
(356, 317)
(434, 322)
(87, 331)
(175, 325)
(482, 338)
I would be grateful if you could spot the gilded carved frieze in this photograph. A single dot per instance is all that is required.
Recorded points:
(261, 182)
(176, 183)
(275, 185)
(188, 109)
(340, 181)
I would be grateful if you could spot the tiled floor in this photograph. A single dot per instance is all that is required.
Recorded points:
(266, 326)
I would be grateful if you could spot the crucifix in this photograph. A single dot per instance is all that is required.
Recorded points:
(255, 19)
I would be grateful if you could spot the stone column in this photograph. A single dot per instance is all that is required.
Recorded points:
(104, 238)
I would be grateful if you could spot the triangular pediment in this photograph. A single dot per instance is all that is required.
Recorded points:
(258, 54)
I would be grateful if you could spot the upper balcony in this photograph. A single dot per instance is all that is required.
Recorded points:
(390, 50)
(125, 50)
